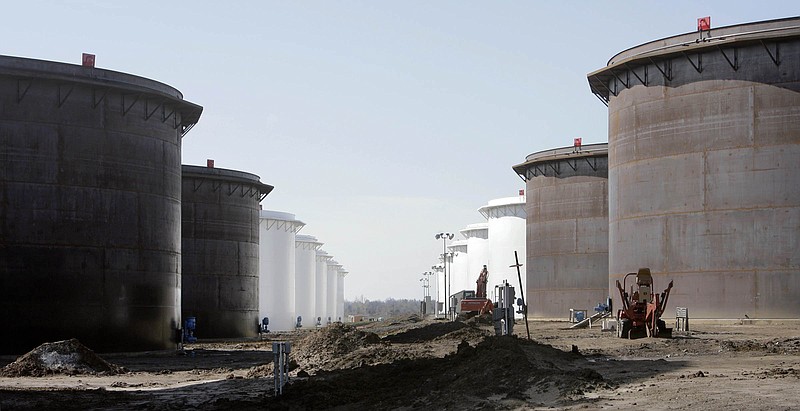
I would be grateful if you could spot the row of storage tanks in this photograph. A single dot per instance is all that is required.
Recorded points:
(492, 243)
(699, 180)
(242, 264)
(107, 237)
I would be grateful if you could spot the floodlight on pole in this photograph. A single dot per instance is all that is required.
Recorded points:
(444, 237)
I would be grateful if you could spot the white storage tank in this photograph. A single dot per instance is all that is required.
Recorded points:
(477, 236)
(330, 291)
(506, 218)
(321, 288)
(305, 257)
(458, 268)
(276, 293)
(340, 294)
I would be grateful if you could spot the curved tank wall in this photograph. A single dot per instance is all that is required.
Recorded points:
(506, 218)
(321, 288)
(458, 268)
(704, 170)
(219, 237)
(330, 290)
(90, 197)
(305, 269)
(567, 229)
(276, 295)
(477, 237)
(340, 295)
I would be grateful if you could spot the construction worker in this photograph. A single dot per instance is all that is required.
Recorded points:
(483, 279)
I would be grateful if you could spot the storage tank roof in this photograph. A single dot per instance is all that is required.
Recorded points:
(458, 243)
(472, 228)
(714, 39)
(506, 201)
(501, 206)
(305, 238)
(26, 68)
(276, 215)
(230, 176)
(562, 153)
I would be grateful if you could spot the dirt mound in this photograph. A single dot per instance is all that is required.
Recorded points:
(510, 371)
(789, 346)
(426, 333)
(327, 348)
(61, 357)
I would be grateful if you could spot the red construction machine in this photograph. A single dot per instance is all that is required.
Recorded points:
(479, 304)
(641, 311)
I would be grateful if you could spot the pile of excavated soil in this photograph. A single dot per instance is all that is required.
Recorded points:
(341, 346)
(330, 348)
(427, 333)
(62, 357)
(499, 372)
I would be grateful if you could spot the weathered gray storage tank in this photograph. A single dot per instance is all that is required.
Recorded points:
(90, 191)
(220, 250)
(704, 142)
(567, 229)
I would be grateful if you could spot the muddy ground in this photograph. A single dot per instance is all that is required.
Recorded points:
(408, 363)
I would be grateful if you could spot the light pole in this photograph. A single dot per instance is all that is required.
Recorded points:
(448, 257)
(436, 270)
(425, 294)
(444, 237)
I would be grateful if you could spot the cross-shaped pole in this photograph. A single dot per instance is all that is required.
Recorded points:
(522, 293)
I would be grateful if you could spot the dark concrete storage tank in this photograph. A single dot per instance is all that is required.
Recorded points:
(567, 229)
(89, 206)
(704, 142)
(220, 250)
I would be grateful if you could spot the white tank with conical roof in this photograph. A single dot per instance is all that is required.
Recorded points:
(277, 268)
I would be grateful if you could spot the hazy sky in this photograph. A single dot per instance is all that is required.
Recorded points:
(379, 123)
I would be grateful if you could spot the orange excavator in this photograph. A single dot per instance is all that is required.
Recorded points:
(641, 311)
(479, 304)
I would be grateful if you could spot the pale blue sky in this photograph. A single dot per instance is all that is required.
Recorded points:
(379, 123)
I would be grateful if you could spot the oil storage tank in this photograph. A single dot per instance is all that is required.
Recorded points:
(220, 250)
(276, 295)
(567, 229)
(305, 269)
(458, 269)
(321, 312)
(506, 221)
(331, 289)
(340, 294)
(704, 141)
(477, 238)
(90, 192)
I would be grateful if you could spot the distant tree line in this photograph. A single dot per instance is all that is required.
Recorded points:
(386, 308)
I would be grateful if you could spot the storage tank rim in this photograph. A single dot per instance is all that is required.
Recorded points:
(277, 215)
(475, 227)
(223, 174)
(22, 67)
(789, 25)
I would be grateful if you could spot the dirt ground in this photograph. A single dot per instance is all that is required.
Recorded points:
(408, 363)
